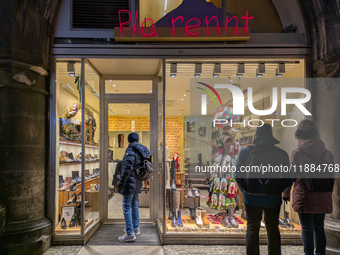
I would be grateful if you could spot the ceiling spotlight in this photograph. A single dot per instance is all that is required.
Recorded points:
(114, 85)
(280, 70)
(150, 90)
(72, 74)
(185, 95)
(240, 70)
(173, 70)
(198, 70)
(110, 80)
(261, 70)
(182, 99)
(70, 67)
(217, 70)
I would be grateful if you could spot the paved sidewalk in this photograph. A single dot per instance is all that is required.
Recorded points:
(166, 250)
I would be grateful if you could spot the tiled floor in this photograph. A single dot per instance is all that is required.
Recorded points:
(63, 250)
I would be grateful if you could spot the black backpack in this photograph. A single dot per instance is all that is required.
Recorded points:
(144, 171)
(318, 184)
(118, 172)
(264, 156)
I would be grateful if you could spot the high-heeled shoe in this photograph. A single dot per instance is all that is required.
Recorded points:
(79, 198)
(74, 200)
(73, 221)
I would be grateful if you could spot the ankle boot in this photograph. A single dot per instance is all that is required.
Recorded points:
(205, 220)
(74, 175)
(224, 221)
(63, 224)
(173, 184)
(189, 193)
(192, 213)
(232, 219)
(186, 185)
(179, 220)
(174, 222)
(169, 193)
(73, 221)
(61, 181)
(197, 193)
(198, 218)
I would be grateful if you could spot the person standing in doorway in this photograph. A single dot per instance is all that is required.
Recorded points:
(312, 205)
(130, 186)
(262, 195)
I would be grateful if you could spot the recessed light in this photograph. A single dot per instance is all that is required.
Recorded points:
(114, 85)
(150, 90)
(110, 80)
(72, 74)
(185, 95)
(182, 99)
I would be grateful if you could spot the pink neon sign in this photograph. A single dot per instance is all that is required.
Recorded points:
(191, 30)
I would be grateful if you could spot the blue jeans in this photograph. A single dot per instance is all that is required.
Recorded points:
(313, 228)
(131, 219)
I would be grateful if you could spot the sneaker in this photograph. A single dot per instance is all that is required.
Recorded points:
(127, 238)
(137, 231)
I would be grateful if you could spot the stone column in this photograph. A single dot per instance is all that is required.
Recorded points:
(24, 124)
(322, 18)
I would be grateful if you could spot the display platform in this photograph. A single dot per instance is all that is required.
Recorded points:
(73, 230)
(190, 226)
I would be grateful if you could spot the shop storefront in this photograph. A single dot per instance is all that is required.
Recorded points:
(171, 81)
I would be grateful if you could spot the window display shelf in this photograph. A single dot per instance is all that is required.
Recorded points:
(78, 163)
(79, 144)
(73, 230)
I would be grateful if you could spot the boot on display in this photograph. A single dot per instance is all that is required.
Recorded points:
(287, 220)
(192, 213)
(174, 222)
(186, 185)
(199, 221)
(197, 193)
(282, 223)
(169, 192)
(179, 220)
(173, 184)
(177, 199)
(61, 181)
(189, 193)
(205, 220)
(232, 219)
(224, 221)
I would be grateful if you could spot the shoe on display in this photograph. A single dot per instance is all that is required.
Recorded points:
(179, 220)
(73, 221)
(192, 213)
(287, 220)
(170, 201)
(282, 223)
(173, 184)
(186, 185)
(79, 198)
(136, 231)
(66, 157)
(73, 199)
(174, 222)
(197, 193)
(61, 181)
(262, 225)
(177, 200)
(224, 221)
(224, 185)
(62, 159)
(198, 217)
(189, 193)
(70, 155)
(205, 220)
(232, 219)
(127, 238)
(63, 224)
(93, 187)
(190, 185)
(73, 187)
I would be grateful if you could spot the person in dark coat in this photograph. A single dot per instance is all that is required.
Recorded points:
(130, 186)
(255, 205)
(311, 206)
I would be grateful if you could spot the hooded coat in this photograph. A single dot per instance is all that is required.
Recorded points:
(132, 159)
(303, 200)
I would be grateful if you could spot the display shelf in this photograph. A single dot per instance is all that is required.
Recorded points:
(73, 230)
(78, 163)
(79, 144)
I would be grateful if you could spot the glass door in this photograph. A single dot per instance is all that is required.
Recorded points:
(124, 118)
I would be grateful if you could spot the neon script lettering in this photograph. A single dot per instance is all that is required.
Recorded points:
(190, 29)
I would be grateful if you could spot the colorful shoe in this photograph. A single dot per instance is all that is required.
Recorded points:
(214, 200)
(224, 186)
(222, 202)
(217, 185)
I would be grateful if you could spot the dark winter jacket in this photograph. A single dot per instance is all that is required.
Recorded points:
(132, 159)
(258, 200)
(305, 201)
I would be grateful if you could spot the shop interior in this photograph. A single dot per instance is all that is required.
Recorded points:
(190, 140)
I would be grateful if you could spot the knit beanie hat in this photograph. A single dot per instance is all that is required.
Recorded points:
(266, 129)
(132, 137)
(307, 129)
